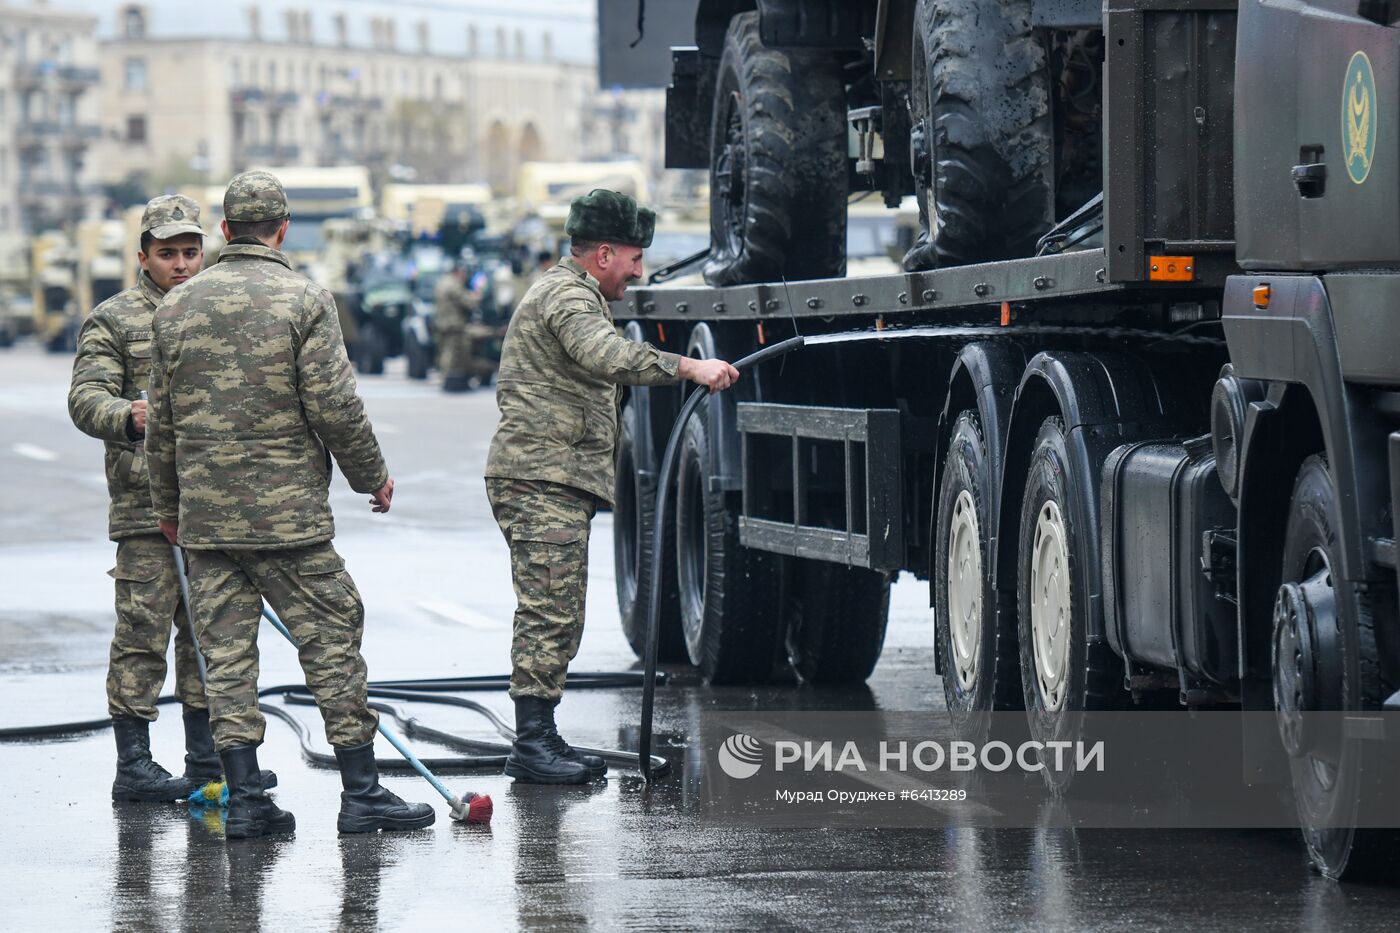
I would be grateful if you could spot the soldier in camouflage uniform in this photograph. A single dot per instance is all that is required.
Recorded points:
(110, 374)
(453, 305)
(552, 457)
(251, 391)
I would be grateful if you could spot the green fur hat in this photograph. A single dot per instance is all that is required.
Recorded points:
(610, 217)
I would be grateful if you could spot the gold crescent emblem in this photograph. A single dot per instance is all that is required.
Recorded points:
(1359, 123)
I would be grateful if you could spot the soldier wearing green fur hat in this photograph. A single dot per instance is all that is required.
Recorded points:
(551, 460)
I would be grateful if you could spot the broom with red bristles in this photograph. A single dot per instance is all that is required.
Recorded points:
(470, 808)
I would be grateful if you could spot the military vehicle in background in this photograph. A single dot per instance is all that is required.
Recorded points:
(71, 276)
(1133, 411)
(16, 301)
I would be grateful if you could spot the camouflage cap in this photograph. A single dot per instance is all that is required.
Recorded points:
(255, 196)
(171, 215)
(610, 217)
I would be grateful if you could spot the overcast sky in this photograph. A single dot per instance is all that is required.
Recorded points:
(571, 22)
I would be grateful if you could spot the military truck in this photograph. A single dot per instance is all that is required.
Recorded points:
(16, 305)
(54, 267)
(1133, 411)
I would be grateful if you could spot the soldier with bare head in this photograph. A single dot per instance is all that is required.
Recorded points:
(110, 375)
(251, 394)
(552, 457)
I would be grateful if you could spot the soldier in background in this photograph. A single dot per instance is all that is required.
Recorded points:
(552, 457)
(110, 374)
(251, 389)
(453, 306)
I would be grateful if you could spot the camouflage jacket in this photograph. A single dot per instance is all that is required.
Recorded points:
(250, 386)
(111, 369)
(561, 363)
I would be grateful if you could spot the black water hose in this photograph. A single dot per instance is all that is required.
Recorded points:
(481, 754)
(658, 548)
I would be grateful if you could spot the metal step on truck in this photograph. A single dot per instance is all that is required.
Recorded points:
(1133, 410)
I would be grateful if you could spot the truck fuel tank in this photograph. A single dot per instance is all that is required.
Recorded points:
(1164, 513)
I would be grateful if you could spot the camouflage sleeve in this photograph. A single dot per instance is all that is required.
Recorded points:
(333, 408)
(95, 400)
(590, 338)
(160, 441)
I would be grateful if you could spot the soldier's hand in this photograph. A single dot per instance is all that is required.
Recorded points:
(171, 530)
(381, 499)
(138, 415)
(715, 375)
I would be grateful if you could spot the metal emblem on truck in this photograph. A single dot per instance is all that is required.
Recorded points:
(1359, 117)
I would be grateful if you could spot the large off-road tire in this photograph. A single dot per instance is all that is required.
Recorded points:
(634, 520)
(729, 594)
(1334, 774)
(836, 620)
(976, 643)
(778, 158)
(982, 138)
(1063, 675)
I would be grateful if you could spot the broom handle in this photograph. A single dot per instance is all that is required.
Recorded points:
(394, 740)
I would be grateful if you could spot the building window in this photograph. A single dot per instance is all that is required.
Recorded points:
(136, 129)
(134, 22)
(135, 74)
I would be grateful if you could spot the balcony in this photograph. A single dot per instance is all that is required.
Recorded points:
(265, 152)
(45, 192)
(29, 75)
(241, 97)
(32, 135)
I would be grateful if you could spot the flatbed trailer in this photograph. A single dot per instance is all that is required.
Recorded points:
(1162, 469)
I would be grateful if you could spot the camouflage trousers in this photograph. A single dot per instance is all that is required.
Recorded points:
(148, 604)
(455, 350)
(311, 592)
(546, 527)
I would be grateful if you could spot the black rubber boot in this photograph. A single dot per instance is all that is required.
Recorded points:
(202, 763)
(251, 812)
(139, 778)
(539, 755)
(365, 805)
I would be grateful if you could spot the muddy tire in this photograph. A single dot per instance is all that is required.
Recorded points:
(778, 158)
(982, 138)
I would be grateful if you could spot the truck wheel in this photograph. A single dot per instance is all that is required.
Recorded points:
(1325, 659)
(1062, 674)
(836, 622)
(976, 643)
(634, 515)
(981, 136)
(370, 349)
(728, 594)
(418, 356)
(777, 163)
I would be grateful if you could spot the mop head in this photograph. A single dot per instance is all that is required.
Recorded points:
(475, 808)
(213, 794)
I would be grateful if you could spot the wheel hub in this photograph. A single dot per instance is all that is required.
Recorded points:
(1305, 652)
(965, 590)
(1050, 605)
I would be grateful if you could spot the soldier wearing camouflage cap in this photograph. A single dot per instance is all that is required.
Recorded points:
(551, 460)
(110, 374)
(251, 394)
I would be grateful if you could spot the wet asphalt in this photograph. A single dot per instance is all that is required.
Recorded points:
(613, 855)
